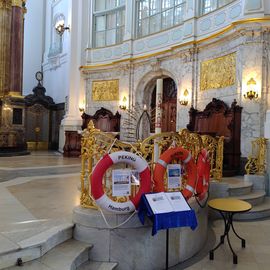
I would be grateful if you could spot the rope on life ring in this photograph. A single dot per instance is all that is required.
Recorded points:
(202, 188)
(191, 169)
(102, 200)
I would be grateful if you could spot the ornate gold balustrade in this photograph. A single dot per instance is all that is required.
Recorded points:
(256, 163)
(96, 144)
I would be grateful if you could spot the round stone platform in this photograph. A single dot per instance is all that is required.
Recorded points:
(132, 245)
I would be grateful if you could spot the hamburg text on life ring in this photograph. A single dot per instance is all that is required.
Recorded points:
(191, 169)
(203, 167)
(104, 163)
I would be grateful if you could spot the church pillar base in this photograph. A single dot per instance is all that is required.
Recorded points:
(12, 127)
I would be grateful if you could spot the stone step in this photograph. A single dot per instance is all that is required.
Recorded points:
(254, 198)
(239, 188)
(98, 266)
(257, 212)
(69, 255)
(35, 246)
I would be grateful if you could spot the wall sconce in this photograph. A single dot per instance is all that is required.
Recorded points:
(60, 27)
(123, 104)
(81, 109)
(82, 106)
(251, 91)
(184, 100)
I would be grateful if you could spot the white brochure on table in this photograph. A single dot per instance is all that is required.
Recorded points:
(167, 202)
(174, 175)
(121, 185)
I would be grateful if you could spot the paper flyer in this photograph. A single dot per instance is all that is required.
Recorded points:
(159, 203)
(121, 184)
(174, 176)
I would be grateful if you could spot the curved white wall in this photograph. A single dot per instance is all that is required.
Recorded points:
(193, 29)
(33, 43)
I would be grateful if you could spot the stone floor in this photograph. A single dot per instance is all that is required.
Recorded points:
(42, 189)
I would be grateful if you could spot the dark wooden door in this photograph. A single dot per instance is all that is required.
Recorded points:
(168, 106)
(169, 116)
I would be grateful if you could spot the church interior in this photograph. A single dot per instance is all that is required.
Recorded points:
(134, 134)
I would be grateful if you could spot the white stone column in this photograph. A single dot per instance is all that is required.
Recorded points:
(158, 121)
(72, 120)
(267, 136)
(130, 7)
(267, 126)
(90, 23)
(190, 9)
(159, 97)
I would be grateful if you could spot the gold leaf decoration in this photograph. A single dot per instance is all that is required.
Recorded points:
(219, 72)
(105, 90)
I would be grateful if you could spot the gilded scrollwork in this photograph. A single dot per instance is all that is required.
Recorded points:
(105, 90)
(218, 73)
(7, 4)
(96, 144)
(256, 163)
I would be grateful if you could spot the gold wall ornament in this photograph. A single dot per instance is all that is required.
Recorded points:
(95, 144)
(105, 90)
(256, 163)
(5, 4)
(218, 73)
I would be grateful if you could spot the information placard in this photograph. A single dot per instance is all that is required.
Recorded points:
(174, 175)
(121, 185)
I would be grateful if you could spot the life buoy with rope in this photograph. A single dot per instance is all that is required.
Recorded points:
(101, 167)
(191, 169)
(203, 167)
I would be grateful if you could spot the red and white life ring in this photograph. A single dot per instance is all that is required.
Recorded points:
(103, 164)
(203, 167)
(191, 169)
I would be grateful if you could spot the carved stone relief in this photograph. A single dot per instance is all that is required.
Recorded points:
(105, 90)
(218, 73)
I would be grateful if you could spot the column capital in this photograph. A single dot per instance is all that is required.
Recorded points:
(17, 3)
(5, 4)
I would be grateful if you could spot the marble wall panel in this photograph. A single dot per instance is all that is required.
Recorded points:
(205, 24)
(188, 29)
(235, 11)
(220, 18)
(158, 41)
(184, 68)
(253, 5)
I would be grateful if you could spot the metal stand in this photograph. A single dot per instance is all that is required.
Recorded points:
(228, 222)
(167, 249)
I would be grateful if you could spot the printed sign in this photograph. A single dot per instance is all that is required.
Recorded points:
(121, 184)
(174, 175)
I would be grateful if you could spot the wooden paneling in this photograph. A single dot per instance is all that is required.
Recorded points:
(218, 119)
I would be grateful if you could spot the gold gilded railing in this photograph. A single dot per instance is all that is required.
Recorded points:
(96, 144)
(256, 163)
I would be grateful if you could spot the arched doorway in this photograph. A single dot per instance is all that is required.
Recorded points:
(169, 106)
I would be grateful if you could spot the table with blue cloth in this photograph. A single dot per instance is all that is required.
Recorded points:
(166, 220)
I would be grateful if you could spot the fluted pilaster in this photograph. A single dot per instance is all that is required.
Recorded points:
(5, 38)
(16, 48)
